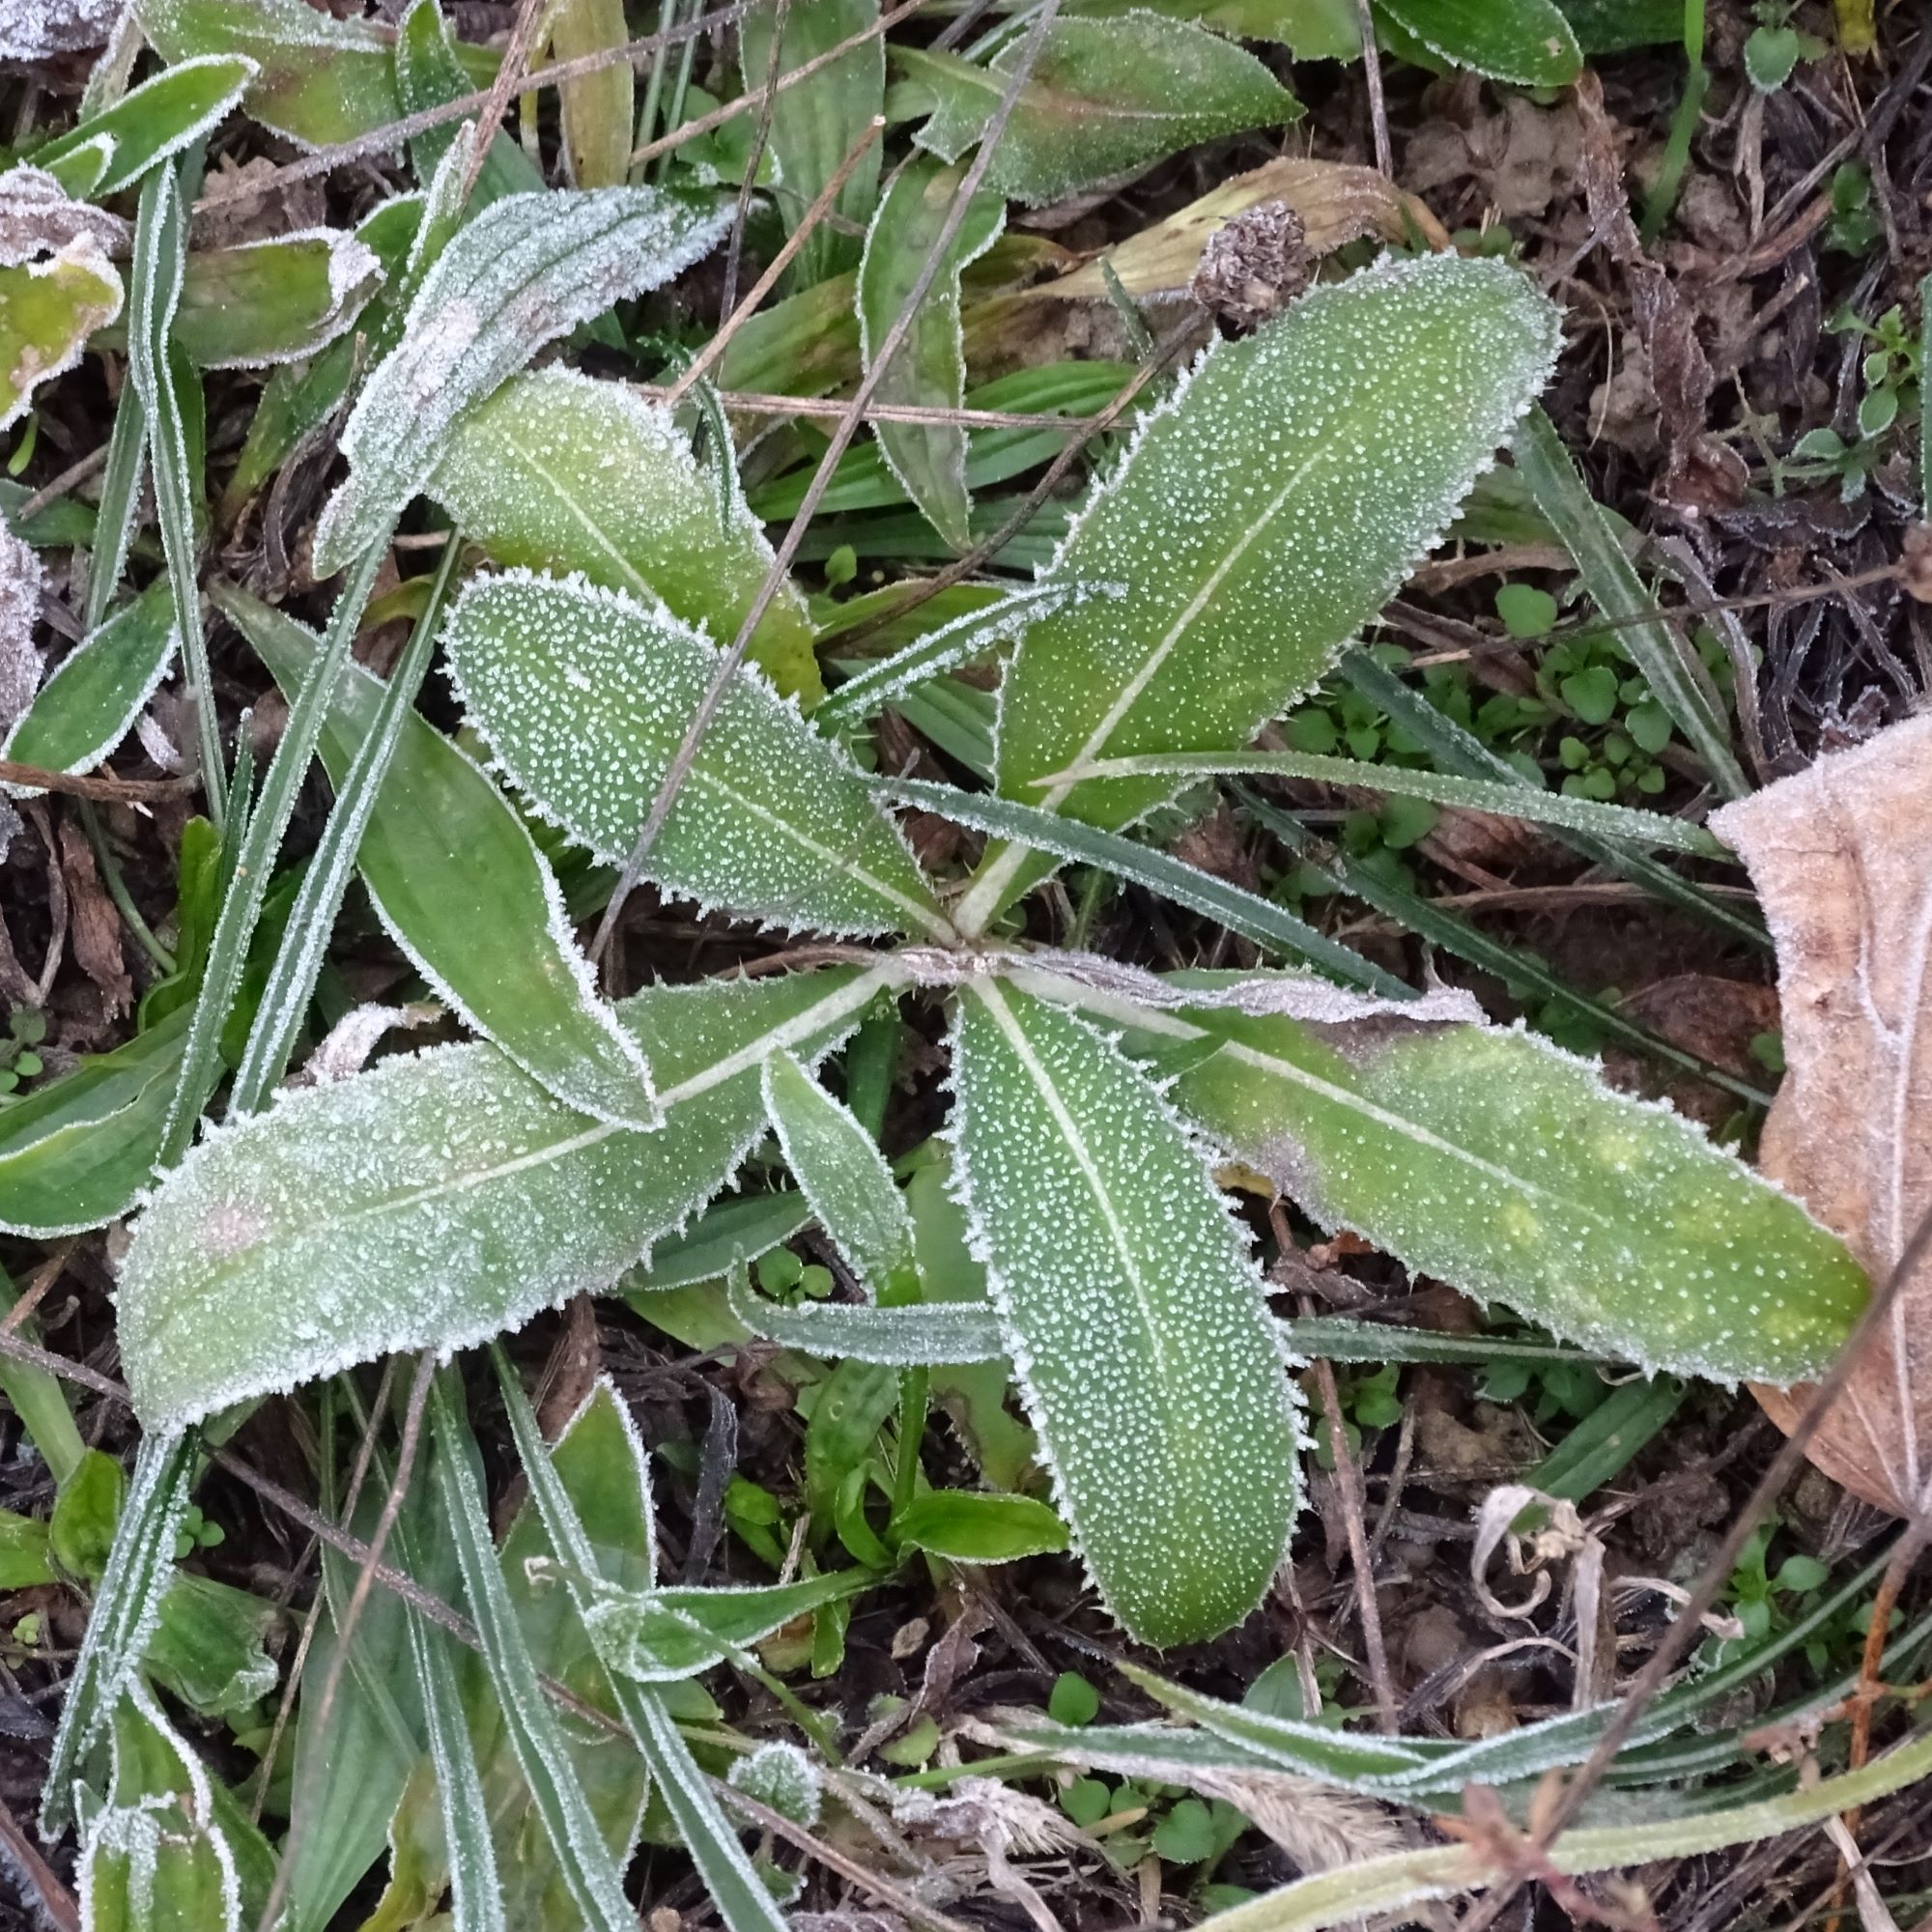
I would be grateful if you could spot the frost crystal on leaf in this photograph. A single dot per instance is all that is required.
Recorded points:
(32, 30)
(22, 581)
(584, 694)
(780, 1776)
(523, 271)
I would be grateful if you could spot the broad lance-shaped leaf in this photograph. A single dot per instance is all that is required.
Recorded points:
(102, 685)
(454, 874)
(928, 370)
(814, 123)
(560, 472)
(438, 1199)
(1134, 1317)
(1106, 99)
(1503, 1166)
(520, 274)
(583, 696)
(114, 149)
(48, 310)
(1527, 42)
(275, 300)
(1261, 516)
(845, 1179)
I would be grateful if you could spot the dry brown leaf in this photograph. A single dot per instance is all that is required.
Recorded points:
(1840, 858)
(94, 925)
(22, 585)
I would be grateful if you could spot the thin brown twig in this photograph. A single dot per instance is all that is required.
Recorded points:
(755, 403)
(75, 472)
(76, 784)
(50, 1271)
(761, 136)
(365, 1581)
(36, 1877)
(515, 62)
(707, 358)
(1372, 72)
(1688, 1625)
(840, 441)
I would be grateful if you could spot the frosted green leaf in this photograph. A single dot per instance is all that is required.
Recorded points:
(1261, 516)
(656, 1636)
(1133, 1315)
(1493, 1161)
(845, 1179)
(114, 149)
(928, 369)
(1313, 29)
(583, 696)
(924, 1336)
(520, 274)
(560, 472)
(1527, 42)
(48, 311)
(782, 1779)
(275, 300)
(456, 878)
(101, 685)
(320, 80)
(436, 1200)
(1106, 99)
(814, 123)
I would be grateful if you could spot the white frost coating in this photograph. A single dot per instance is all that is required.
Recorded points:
(932, 1334)
(80, 257)
(346, 1048)
(1262, 514)
(1133, 1314)
(845, 1178)
(780, 1776)
(353, 271)
(527, 269)
(22, 583)
(441, 1198)
(1297, 996)
(957, 642)
(583, 696)
(37, 216)
(32, 30)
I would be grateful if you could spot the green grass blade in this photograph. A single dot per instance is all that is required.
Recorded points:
(40, 1402)
(260, 842)
(1670, 667)
(299, 961)
(1456, 749)
(161, 249)
(741, 1897)
(119, 507)
(433, 1202)
(937, 1334)
(1504, 800)
(1133, 1310)
(575, 1840)
(112, 150)
(1336, 1337)
(1243, 912)
(127, 1607)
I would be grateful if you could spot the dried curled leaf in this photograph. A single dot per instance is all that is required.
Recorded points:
(1839, 858)
(48, 310)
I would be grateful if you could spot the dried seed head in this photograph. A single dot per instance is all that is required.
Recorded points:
(1256, 266)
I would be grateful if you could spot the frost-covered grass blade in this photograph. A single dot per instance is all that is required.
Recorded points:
(112, 150)
(1133, 1315)
(929, 1336)
(583, 696)
(523, 271)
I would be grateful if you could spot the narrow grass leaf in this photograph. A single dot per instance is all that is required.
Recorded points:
(520, 274)
(438, 1199)
(100, 687)
(1675, 674)
(560, 472)
(1261, 516)
(583, 696)
(1337, 1338)
(740, 1229)
(1504, 801)
(1243, 912)
(1527, 42)
(657, 1636)
(1133, 1315)
(1461, 751)
(430, 73)
(961, 640)
(1492, 1160)
(928, 1336)
(112, 150)
(48, 311)
(320, 80)
(928, 368)
(39, 1399)
(557, 1794)
(846, 1181)
(967, 1526)
(77, 1152)
(127, 1607)
(160, 248)
(816, 123)
(598, 109)
(743, 1900)
(119, 507)
(1106, 100)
